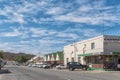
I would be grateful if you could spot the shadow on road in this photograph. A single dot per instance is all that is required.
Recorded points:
(4, 71)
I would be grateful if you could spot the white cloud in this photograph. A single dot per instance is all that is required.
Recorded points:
(68, 35)
(39, 32)
(55, 10)
(94, 13)
(51, 41)
(14, 33)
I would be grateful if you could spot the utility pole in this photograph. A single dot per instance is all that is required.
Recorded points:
(103, 24)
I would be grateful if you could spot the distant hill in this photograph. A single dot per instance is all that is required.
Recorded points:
(12, 56)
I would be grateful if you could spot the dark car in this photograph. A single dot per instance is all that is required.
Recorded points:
(75, 65)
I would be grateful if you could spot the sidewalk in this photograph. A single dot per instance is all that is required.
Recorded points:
(79, 70)
(1, 77)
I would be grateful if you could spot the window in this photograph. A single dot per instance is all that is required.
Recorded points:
(84, 45)
(92, 45)
(67, 60)
(72, 59)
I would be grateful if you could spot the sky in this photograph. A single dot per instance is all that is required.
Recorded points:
(45, 26)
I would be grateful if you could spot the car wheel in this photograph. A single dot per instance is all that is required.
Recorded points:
(84, 68)
(71, 69)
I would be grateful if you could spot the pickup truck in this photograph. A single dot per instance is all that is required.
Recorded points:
(75, 65)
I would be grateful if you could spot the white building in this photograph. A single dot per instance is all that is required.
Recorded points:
(37, 59)
(94, 50)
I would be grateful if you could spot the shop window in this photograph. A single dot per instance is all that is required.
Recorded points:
(72, 59)
(98, 60)
(67, 60)
(92, 45)
(109, 59)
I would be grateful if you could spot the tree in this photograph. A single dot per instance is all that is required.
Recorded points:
(1, 54)
(22, 59)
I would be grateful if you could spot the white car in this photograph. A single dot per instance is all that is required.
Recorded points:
(46, 66)
(61, 66)
(33, 65)
(40, 65)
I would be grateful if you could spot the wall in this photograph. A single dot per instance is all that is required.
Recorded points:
(111, 44)
(69, 50)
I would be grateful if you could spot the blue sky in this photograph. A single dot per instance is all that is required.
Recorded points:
(44, 26)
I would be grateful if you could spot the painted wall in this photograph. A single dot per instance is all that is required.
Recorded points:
(112, 44)
(83, 47)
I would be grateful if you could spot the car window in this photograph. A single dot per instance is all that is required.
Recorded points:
(76, 63)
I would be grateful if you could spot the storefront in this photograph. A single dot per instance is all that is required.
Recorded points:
(102, 61)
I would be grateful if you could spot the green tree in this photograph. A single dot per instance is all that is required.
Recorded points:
(1, 54)
(22, 59)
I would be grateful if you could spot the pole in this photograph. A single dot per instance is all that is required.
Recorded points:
(103, 23)
(75, 49)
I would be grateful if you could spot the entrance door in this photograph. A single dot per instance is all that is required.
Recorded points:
(118, 61)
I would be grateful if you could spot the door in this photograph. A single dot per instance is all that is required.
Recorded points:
(118, 61)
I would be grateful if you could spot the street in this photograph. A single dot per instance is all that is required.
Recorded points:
(31, 73)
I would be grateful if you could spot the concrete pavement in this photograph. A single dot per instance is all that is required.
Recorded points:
(29, 73)
(0, 77)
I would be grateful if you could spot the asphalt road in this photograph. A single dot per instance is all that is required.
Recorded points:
(29, 73)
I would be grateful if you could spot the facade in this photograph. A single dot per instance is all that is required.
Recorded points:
(54, 58)
(100, 52)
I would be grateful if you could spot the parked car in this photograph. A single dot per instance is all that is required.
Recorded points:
(40, 65)
(61, 66)
(30, 65)
(53, 65)
(46, 66)
(33, 65)
(2, 63)
(75, 65)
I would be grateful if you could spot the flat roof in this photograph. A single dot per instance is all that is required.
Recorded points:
(93, 39)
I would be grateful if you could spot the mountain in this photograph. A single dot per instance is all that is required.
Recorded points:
(12, 56)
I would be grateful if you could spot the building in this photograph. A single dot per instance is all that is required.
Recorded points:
(54, 58)
(100, 52)
(36, 59)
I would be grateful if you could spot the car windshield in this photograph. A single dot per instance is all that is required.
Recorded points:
(61, 65)
(76, 63)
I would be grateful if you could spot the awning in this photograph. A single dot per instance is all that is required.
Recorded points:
(86, 54)
(116, 53)
(91, 54)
